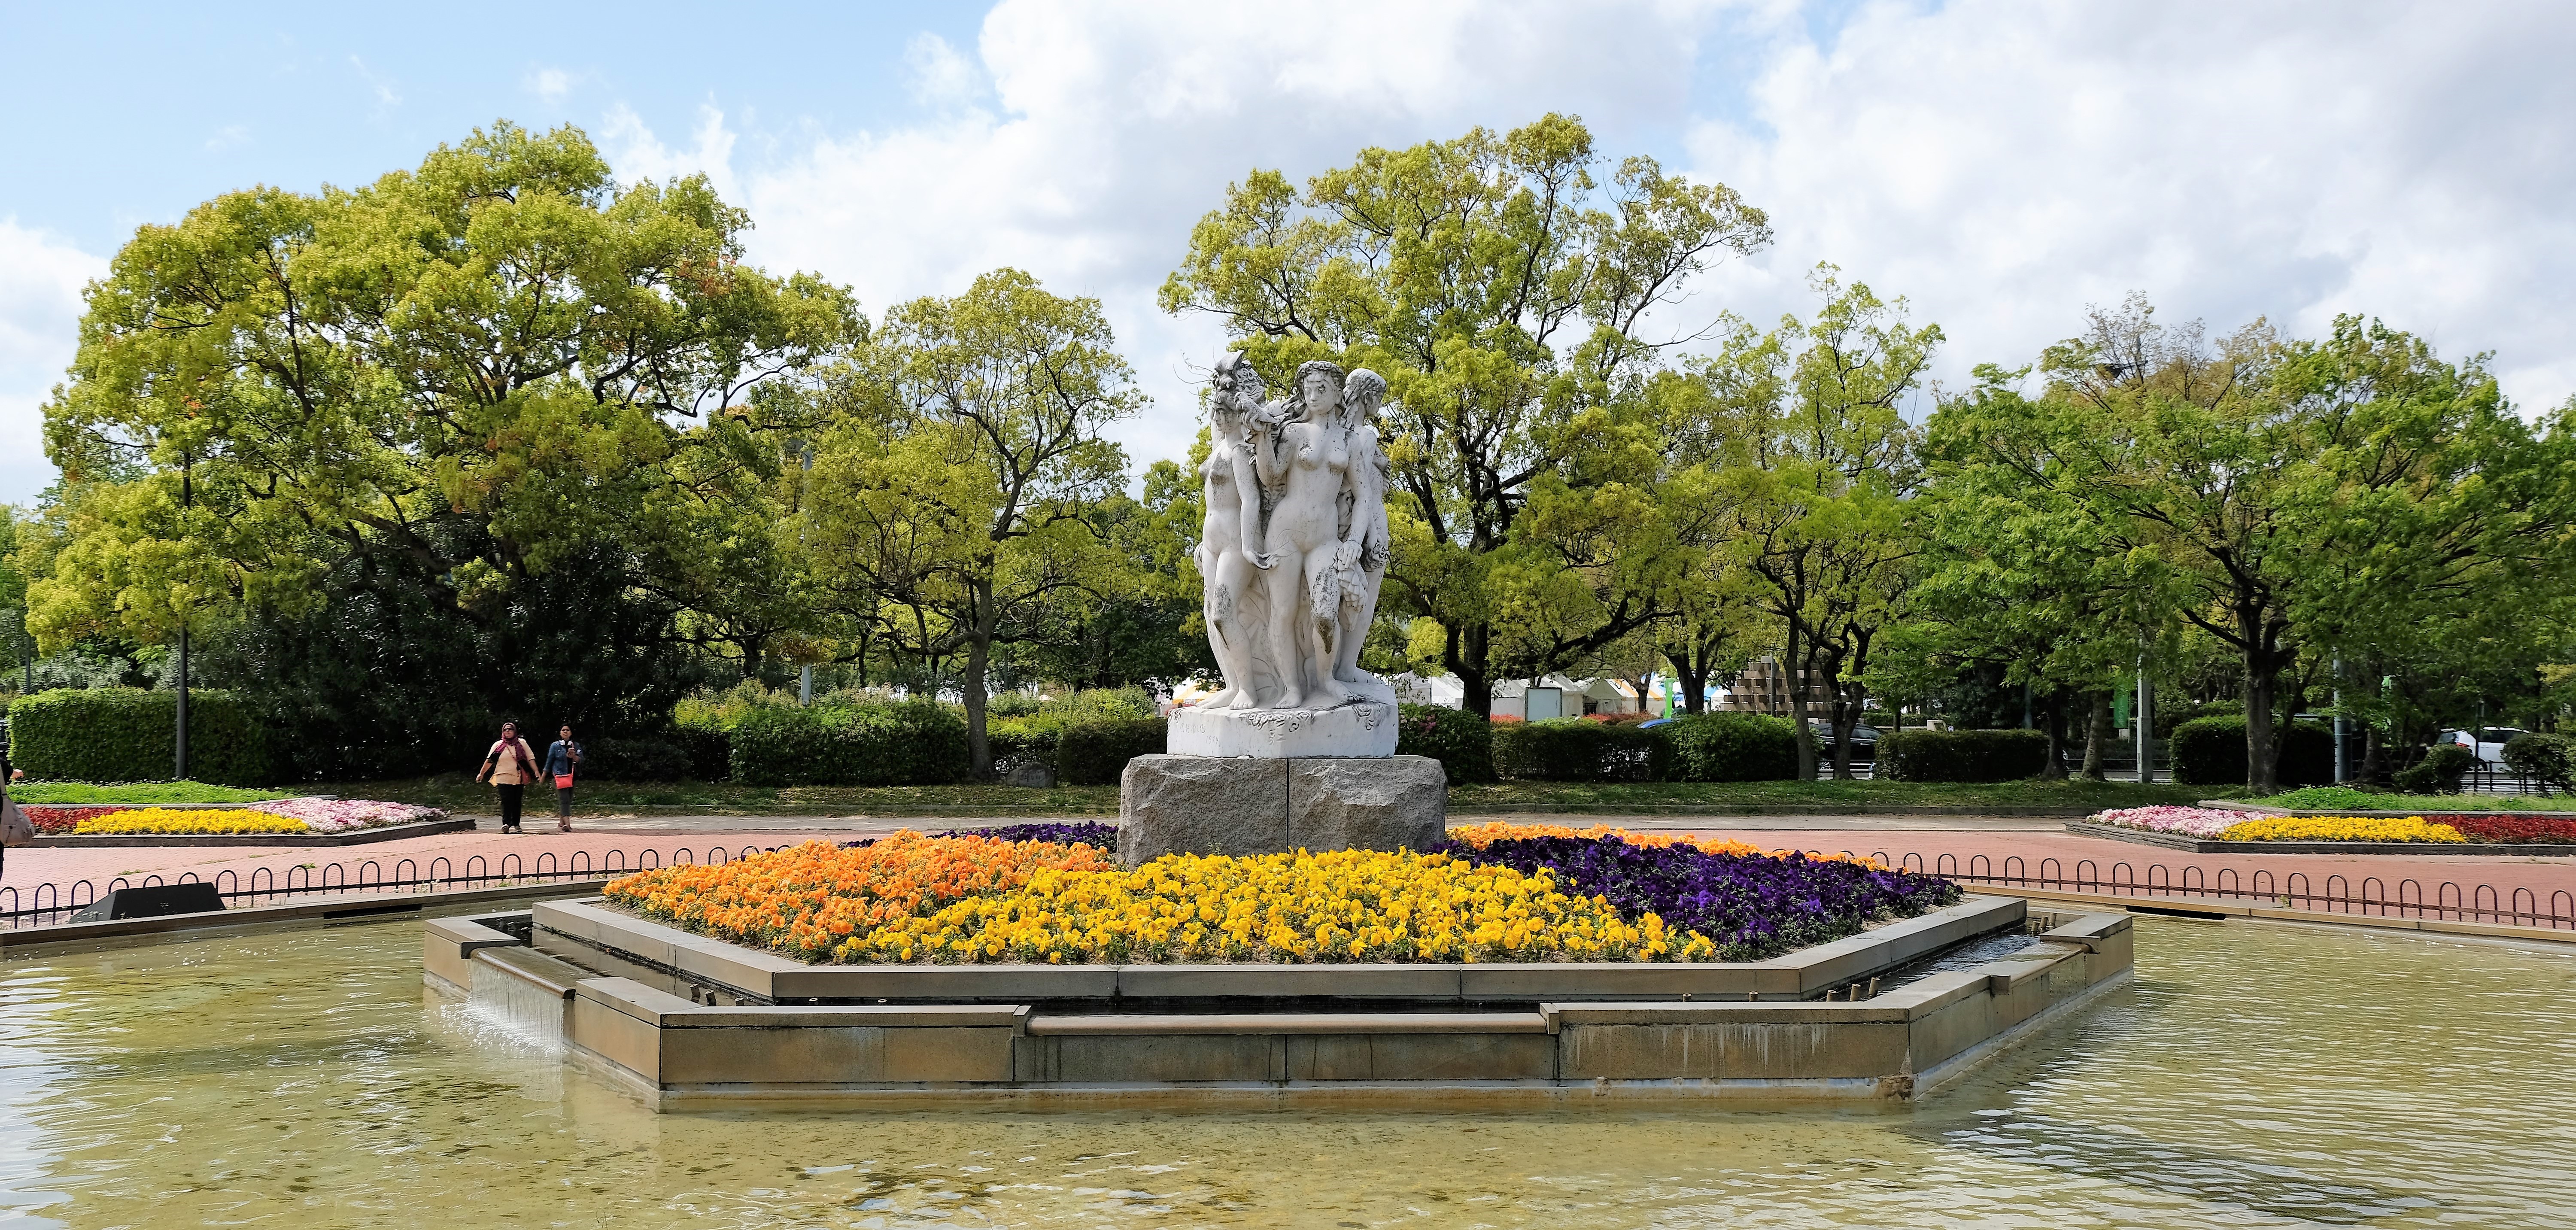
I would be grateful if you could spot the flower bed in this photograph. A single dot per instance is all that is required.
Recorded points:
(2216, 824)
(807, 900)
(161, 820)
(1494, 893)
(341, 815)
(2513, 829)
(1746, 903)
(55, 820)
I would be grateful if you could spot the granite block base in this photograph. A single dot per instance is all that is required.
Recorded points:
(1247, 805)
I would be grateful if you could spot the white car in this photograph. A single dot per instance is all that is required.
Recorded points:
(2486, 742)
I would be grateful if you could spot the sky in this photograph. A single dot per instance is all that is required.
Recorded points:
(2001, 164)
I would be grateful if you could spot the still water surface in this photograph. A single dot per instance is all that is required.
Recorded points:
(2253, 1076)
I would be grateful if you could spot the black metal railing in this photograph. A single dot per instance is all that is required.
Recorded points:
(2385, 897)
(46, 904)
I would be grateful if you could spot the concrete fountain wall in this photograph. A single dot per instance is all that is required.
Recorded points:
(687, 1022)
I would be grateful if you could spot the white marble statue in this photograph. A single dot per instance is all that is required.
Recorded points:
(1293, 554)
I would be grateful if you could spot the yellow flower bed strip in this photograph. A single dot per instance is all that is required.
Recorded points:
(161, 820)
(2340, 828)
(1347, 905)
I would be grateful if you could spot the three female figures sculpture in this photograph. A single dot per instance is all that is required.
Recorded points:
(1294, 547)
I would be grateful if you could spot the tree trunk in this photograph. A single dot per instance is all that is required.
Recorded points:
(2374, 757)
(1844, 718)
(2262, 750)
(1791, 666)
(1468, 659)
(2052, 720)
(1690, 674)
(2097, 736)
(979, 653)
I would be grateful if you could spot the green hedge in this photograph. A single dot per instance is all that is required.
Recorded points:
(1462, 742)
(2210, 751)
(1575, 750)
(2549, 759)
(914, 743)
(2439, 772)
(632, 758)
(1096, 752)
(1733, 747)
(130, 735)
(1960, 755)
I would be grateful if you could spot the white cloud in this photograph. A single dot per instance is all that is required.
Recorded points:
(41, 277)
(229, 136)
(940, 76)
(2005, 164)
(639, 155)
(550, 84)
(386, 95)
(1118, 125)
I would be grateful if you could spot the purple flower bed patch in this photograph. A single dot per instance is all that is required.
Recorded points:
(1754, 906)
(1063, 832)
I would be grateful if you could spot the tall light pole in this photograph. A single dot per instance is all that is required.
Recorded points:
(2146, 729)
(187, 500)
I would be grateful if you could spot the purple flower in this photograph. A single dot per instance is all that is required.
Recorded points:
(1753, 906)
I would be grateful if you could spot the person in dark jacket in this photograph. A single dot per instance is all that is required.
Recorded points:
(511, 765)
(561, 758)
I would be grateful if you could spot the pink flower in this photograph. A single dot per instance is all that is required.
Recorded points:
(337, 815)
(2189, 821)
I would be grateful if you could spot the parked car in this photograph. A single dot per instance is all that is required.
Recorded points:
(2485, 742)
(1864, 740)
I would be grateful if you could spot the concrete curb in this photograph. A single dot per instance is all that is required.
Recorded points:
(2219, 909)
(314, 908)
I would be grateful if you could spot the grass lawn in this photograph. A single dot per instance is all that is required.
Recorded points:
(725, 799)
(76, 793)
(2429, 803)
(460, 794)
(2072, 795)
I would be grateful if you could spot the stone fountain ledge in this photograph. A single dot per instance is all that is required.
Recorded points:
(675, 1018)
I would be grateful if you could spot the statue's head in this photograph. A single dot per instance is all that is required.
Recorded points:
(1362, 392)
(1319, 385)
(1237, 388)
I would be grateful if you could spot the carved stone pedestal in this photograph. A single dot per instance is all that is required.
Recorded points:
(1245, 805)
(1361, 728)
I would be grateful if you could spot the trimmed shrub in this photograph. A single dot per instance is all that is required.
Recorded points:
(912, 743)
(2439, 772)
(1574, 750)
(131, 735)
(1733, 747)
(1462, 742)
(2210, 751)
(1916, 755)
(1022, 740)
(2547, 759)
(1096, 752)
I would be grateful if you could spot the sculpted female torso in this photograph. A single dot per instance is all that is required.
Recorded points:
(1311, 466)
(1228, 553)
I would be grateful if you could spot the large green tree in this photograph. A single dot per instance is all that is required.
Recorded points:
(466, 375)
(503, 337)
(1818, 493)
(2288, 497)
(1508, 291)
(960, 503)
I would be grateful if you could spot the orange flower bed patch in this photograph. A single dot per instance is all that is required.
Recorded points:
(807, 899)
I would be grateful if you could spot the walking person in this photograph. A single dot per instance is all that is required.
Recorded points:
(561, 758)
(511, 765)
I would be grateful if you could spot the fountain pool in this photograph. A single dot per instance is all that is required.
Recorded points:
(2252, 1075)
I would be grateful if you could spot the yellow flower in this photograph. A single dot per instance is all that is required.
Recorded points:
(2340, 828)
(175, 820)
